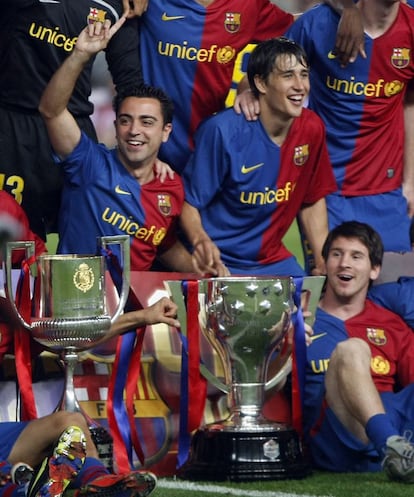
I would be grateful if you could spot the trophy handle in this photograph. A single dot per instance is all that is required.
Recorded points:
(29, 248)
(124, 243)
(174, 289)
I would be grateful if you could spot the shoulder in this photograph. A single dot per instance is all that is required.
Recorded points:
(169, 185)
(226, 123)
(311, 123)
(221, 119)
(318, 12)
(380, 314)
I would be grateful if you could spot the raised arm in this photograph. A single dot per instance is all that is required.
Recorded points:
(64, 132)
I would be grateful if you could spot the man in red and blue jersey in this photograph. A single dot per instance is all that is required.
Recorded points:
(368, 110)
(358, 402)
(114, 192)
(247, 180)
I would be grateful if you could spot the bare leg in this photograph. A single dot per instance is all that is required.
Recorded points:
(38, 438)
(350, 391)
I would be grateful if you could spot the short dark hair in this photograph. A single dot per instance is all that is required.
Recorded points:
(145, 91)
(364, 233)
(262, 60)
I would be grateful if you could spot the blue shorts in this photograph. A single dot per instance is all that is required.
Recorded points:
(385, 212)
(335, 449)
(9, 433)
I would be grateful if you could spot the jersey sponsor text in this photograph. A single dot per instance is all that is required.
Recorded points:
(223, 55)
(132, 228)
(268, 196)
(52, 36)
(359, 88)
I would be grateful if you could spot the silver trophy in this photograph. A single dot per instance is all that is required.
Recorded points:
(246, 320)
(70, 311)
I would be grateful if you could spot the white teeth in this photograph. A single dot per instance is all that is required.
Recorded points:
(345, 277)
(133, 142)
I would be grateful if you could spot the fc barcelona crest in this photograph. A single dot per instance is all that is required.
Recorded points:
(164, 204)
(400, 57)
(232, 21)
(96, 15)
(301, 154)
(376, 336)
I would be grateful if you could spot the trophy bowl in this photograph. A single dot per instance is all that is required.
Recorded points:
(69, 309)
(246, 320)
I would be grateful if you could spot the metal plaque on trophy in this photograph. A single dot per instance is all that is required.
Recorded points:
(246, 321)
(70, 311)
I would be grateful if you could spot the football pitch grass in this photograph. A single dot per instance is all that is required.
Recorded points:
(319, 484)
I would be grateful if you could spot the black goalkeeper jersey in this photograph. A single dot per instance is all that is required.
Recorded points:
(37, 35)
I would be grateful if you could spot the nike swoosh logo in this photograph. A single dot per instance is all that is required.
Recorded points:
(119, 190)
(166, 17)
(246, 169)
(331, 55)
(315, 337)
(49, 1)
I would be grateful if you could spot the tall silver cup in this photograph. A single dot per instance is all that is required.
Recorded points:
(70, 311)
(246, 320)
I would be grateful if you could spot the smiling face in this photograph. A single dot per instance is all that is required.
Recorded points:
(286, 88)
(140, 130)
(349, 271)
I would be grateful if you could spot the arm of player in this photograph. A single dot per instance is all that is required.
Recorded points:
(206, 255)
(177, 258)
(408, 178)
(163, 311)
(350, 34)
(64, 132)
(314, 222)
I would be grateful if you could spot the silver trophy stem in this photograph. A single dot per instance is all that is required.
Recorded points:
(246, 400)
(69, 401)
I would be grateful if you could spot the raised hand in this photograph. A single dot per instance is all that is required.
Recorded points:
(96, 36)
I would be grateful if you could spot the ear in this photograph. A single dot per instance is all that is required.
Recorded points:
(166, 132)
(375, 271)
(260, 84)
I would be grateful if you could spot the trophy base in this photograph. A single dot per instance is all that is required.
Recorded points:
(239, 456)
